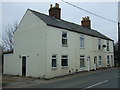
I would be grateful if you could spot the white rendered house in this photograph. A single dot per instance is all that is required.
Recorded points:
(46, 46)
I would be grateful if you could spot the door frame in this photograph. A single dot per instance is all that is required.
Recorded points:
(95, 62)
(22, 65)
(111, 59)
(88, 63)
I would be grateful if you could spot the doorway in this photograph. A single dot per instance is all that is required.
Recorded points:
(23, 65)
(88, 63)
(112, 63)
(95, 62)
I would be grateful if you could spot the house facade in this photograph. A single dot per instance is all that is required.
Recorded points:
(46, 46)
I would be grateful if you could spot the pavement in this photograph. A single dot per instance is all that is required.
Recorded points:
(105, 78)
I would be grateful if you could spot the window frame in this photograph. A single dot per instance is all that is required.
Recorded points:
(65, 39)
(82, 41)
(107, 45)
(82, 57)
(54, 58)
(100, 60)
(99, 44)
(64, 58)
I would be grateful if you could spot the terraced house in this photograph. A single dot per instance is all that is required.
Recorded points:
(46, 46)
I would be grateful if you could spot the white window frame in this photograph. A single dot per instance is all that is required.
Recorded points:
(64, 38)
(107, 45)
(99, 44)
(63, 58)
(82, 57)
(82, 41)
(54, 58)
(100, 60)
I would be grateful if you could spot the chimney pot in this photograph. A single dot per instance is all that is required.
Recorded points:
(55, 11)
(86, 22)
(57, 5)
(50, 5)
(88, 17)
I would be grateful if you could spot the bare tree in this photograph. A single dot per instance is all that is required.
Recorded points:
(7, 37)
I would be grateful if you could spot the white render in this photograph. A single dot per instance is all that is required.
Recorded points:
(38, 42)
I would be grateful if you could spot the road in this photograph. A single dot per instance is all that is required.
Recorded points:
(105, 78)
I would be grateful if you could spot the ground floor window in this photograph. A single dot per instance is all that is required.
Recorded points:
(100, 60)
(54, 60)
(64, 60)
(108, 60)
(82, 61)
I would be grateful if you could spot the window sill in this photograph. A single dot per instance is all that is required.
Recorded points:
(53, 68)
(64, 45)
(64, 67)
(82, 47)
(100, 65)
(82, 67)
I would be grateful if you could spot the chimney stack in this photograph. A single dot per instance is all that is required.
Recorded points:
(86, 22)
(55, 11)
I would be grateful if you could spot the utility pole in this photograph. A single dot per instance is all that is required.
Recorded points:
(119, 33)
(119, 43)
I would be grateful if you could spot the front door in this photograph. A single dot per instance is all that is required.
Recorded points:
(23, 65)
(95, 62)
(112, 63)
(88, 63)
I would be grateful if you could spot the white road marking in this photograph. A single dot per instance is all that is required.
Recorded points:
(97, 84)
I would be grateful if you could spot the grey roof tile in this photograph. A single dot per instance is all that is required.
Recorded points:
(59, 23)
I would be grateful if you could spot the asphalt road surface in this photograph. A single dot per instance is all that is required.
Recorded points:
(105, 78)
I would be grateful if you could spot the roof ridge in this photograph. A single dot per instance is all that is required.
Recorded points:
(60, 23)
(37, 12)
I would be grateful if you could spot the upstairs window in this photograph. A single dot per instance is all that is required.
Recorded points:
(64, 38)
(82, 41)
(107, 45)
(64, 60)
(99, 44)
(54, 60)
(82, 61)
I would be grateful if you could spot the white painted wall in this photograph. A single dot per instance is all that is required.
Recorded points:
(54, 46)
(29, 40)
(39, 42)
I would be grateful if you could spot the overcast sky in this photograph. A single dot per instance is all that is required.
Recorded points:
(14, 11)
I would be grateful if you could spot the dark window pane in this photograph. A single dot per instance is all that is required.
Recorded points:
(99, 43)
(108, 62)
(64, 34)
(64, 62)
(82, 56)
(82, 63)
(99, 47)
(54, 63)
(54, 56)
(64, 41)
(64, 56)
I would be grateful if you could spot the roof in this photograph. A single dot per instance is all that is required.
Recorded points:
(59, 23)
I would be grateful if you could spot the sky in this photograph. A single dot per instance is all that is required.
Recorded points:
(14, 11)
(119, 11)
